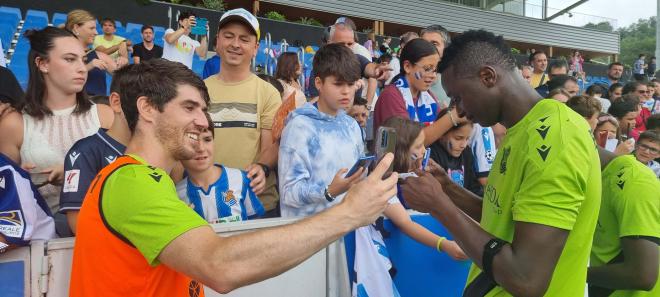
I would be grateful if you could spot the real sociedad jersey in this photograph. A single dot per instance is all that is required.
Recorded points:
(229, 199)
(83, 161)
(24, 214)
(483, 149)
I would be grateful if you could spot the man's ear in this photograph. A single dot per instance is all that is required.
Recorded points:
(115, 102)
(488, 76)
(146, 111)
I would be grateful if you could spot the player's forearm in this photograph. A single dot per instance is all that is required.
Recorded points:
(255, 256)
(619, 276)
(465, 200)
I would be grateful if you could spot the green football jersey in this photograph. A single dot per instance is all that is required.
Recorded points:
(547, 172)
(630, 207)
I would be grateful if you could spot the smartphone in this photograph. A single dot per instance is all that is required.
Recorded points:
(363, 162)
(385, 143)
(425, 161)
(200, 26)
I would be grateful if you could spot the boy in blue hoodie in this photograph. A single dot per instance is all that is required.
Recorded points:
(320, 141)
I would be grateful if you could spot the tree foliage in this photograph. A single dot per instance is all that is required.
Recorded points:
(602, 26)
(638, 38)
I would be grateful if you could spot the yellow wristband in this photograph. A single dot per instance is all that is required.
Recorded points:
(439, 244)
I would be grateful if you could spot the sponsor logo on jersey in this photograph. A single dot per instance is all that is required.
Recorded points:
(11, 223)
(71, 180)
(73, 157)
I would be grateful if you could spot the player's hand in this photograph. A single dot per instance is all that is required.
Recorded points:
(367, 200)
(257, 178)
(438, 172)
(423, 192)
(341, 184)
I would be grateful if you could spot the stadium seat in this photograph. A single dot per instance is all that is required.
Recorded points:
(198, 65)
(159, 32)
(133, 27)
(58, 19)
(12, 10)
(19, 67)
(9, 18)
(6, 34)
(35, 19)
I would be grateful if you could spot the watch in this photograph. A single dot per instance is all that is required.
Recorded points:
(327, 195)
(265, 168)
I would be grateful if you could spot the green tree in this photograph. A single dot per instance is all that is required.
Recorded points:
(638, 38)
(602, 26)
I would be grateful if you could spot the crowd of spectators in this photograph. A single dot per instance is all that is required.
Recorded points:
(236, 146)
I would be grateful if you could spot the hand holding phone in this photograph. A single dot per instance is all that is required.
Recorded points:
(363, 162)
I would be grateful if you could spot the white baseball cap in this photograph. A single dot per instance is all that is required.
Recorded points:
(243, 16)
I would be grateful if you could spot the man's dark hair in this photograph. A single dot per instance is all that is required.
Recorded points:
(631, 87)
(653, 122)
(145, 27)
(558, 82)
(108, 20)
(642, 55)
(156, 79)
(534, 54)
(614, 64)
(649, 135)
(596, 89)
(185, 14)
(623, 106)
(336, 60)
(437, 29)
(476, 48)
(555, 64)
(360, 101)
(613, 87)
(273, 81)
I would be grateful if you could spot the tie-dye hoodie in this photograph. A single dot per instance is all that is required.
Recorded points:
(314, 146)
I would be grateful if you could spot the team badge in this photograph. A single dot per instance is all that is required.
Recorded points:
(230, 199)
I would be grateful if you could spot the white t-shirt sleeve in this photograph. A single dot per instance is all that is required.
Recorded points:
(168, 31)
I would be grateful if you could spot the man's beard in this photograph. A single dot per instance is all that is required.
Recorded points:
(173, 139)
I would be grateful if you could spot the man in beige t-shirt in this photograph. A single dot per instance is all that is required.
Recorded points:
(243, 107)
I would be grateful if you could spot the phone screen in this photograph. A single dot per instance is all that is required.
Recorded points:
(425, 161)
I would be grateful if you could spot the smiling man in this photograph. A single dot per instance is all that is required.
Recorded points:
(136, 238)
(531, 234)
(243, 107)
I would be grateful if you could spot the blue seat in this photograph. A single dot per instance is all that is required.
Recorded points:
(130, 27)
(99, 28)
(32, 13)
(12, 10)
(134, 36)
(10, 18)
(58, 19)
(118, 25)
(6, 34)
(19, 67)
(292, 49)
(198, 65)
(35, 19)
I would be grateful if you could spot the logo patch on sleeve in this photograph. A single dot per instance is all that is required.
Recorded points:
(71, 179)
(11, 223)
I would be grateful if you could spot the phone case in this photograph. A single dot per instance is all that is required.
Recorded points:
(200, 27)
(385, 143)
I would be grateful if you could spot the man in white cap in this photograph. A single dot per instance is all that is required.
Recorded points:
(179, 47)
(243, 107)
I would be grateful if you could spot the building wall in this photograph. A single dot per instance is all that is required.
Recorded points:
(458, 18)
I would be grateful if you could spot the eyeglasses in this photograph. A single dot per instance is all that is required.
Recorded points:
(428, 69)
(651, 150)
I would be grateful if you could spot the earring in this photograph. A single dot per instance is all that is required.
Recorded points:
(75, 33)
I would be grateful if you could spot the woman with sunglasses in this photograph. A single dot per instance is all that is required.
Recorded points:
(408, 95)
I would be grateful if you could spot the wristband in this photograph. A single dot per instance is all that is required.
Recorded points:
(327, 195)
(451, 117)
(265, 168)
(439, 244)
(490, 250)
